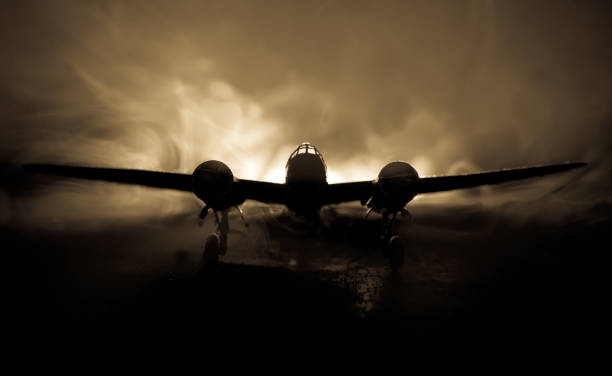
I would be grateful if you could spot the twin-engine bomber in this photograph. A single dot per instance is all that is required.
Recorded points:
(304, 192)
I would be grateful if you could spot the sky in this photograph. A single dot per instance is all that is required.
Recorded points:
(448, 86)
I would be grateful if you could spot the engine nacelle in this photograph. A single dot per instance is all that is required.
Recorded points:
(212, 182)
(397, 185)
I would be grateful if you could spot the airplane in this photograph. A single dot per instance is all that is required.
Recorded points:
(304, 192)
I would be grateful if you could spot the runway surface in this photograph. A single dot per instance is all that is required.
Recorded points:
(471, 274)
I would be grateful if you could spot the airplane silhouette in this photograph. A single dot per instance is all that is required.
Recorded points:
(304, 192)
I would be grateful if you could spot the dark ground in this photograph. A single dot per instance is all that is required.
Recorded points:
(472, 276)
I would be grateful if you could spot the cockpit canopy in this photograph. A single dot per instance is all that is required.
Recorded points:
(306, 148)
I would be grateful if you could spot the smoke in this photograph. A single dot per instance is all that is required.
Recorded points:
(448, 87)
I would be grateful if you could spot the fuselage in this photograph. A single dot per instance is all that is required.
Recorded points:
(306, 179)
(306, 189)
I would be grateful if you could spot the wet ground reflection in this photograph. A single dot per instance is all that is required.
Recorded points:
(468, 270)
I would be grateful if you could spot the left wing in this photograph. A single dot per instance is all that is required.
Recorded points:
(447, 183)
(363, 190)
(344, 192)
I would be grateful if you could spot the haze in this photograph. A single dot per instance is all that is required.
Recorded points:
(447, 86)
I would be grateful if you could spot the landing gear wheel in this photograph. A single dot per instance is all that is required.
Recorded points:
(396, 253)
(212, 249)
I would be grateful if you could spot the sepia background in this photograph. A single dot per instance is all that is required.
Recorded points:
(448, 86)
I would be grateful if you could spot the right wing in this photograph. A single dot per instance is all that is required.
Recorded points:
(262, 191)
(447, 183)
(247, 189)
(155, 179)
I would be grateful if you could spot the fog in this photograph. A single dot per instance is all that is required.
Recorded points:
(446, 86)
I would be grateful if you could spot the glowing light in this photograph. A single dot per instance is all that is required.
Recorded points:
(214, 121)
(276, 175)
(423, 165)
(334, 177)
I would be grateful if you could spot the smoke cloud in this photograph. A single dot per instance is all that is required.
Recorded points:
(447, 86)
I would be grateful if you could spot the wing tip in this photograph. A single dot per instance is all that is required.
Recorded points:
(570, 165)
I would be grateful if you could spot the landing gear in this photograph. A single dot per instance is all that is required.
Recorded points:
(216, 242)
(396, 253)
(211, 251)
(393, 245)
